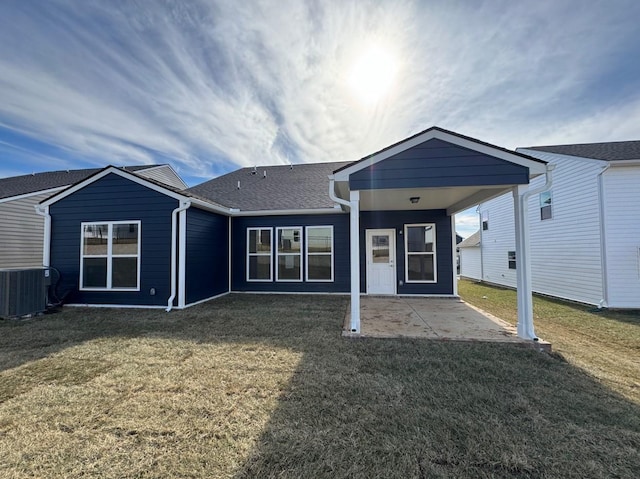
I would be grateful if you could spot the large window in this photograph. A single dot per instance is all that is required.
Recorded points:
(289, 254)
(259, 254)
(420, 253)
(110, 256)
(319, 253)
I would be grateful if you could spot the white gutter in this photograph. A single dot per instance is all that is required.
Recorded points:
(603, 242)
(332, 193)
(46, 246)
(184, 205)
(524, 290)
(310, 211)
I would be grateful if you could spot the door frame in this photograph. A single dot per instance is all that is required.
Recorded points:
(393, 256)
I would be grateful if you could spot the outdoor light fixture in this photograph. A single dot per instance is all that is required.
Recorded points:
(414, 199)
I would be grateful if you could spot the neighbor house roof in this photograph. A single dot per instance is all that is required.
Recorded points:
(25, 184)
(610, 151)
(473, 240)
(284, 187)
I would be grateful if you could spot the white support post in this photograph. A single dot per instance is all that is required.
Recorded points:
(523, 263)
(354, 216)
(182, 259)
(455, 254)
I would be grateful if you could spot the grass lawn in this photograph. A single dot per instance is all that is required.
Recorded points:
(264, 386)
(606, 344)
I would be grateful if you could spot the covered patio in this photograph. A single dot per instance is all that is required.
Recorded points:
(444, 319)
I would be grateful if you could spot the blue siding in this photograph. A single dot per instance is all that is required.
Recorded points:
(207, 257)
(114, 198)
(397, 220)
(340, 224)
(436, 163)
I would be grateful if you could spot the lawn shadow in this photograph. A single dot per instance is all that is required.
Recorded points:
(383, 408)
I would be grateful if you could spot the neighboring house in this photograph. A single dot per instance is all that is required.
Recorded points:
(471, 257)
(380, 225)
(22, 228)
(584, 232)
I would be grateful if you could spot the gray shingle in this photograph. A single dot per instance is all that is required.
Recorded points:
(303, 186)
(473, 240)
(611, 151)
(22, 185)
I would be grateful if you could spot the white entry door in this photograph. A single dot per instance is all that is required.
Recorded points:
(381, 261)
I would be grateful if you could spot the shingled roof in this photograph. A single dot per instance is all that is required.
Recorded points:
(25, 184)
(611, 151)
(471, 241)
(284, 187)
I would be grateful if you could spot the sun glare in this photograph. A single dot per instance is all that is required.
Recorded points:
(373, 73)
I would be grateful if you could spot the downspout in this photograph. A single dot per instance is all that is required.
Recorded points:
(604, 302)
(184, 205)
(527, 330)
(354, 251)
(46, 246)
(481, 252)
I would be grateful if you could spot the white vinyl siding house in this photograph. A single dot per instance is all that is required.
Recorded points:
(621, 187)
(471, 257)
(570, 257)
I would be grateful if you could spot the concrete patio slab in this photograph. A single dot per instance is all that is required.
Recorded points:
(448, 319)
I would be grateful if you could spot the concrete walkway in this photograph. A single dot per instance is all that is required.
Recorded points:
(433, 318)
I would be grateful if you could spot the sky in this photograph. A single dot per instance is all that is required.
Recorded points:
(210, 86)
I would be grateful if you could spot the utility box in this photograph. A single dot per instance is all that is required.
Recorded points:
(23, 291)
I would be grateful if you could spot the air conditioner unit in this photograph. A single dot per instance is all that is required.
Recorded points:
(23, 291)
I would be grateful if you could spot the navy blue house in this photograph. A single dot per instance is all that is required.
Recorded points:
(382, 225)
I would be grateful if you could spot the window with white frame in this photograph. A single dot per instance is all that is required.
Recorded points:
(545, 205)
(289, 253)
(511, 259)
(319, 248)
(259, 253)
(110, 256)
(420, 253)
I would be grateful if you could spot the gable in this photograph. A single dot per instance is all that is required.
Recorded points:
(438, 163)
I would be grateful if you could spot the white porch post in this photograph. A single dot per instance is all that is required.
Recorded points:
(523, 263)
(354, 216)
(454, 246)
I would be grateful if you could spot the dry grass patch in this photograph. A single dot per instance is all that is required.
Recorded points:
(264, 386)
(604, 343)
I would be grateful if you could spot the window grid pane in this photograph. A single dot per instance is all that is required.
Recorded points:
(420, 253)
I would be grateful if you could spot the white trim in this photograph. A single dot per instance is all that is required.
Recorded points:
(35, 193)
(535, 167)
(306, 250)
(278, 254)
(433, 253)
(248, 254)
(311, 211)
(109, 256)
(119, 306)
(312, 293)
(141, 181)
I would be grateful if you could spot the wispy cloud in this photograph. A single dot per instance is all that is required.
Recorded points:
(212, 85)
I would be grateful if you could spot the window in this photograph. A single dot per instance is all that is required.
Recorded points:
(110, 256)
(259, 254)
(545, 205)
(289, 254)
(485, 220)
(511, 258)
(420, 253)
(319, 253)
